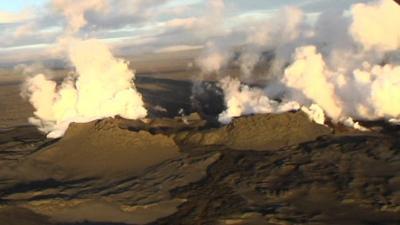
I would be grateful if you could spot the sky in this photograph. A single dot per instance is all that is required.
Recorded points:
(18, 5)
(30, 28)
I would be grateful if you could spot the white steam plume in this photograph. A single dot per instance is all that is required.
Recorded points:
(102, 87)
(216, 55)
(279, 33)
(244, 100)
(214, 58)
(376, 25)
(351, 73)
(308, 79)
(74, 11)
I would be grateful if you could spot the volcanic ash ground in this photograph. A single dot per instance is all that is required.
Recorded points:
(261, 169)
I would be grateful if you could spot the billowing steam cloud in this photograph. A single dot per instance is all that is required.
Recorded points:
(351, 70)
(373, 25)
(74, 11)
(340, 65)
(244, 100)
(101, 86)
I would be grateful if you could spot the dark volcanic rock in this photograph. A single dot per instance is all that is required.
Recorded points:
(166, 126)
(21, 216)
(258, 132)
(102, 148)
(184, 171)
(334, 180)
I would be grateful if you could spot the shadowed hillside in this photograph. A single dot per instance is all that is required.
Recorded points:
(257, 170)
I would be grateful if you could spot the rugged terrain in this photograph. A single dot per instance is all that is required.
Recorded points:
(261, 169)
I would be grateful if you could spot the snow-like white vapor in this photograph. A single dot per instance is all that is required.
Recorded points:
(350, 72)
(243, 100)
(376, 25)
(74, 11)
(101, 85)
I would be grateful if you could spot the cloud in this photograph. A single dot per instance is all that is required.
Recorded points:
(177, 48)
(10, 17)
(74, 11)
(186, 23)
(374, 25)
(152, 22)
(350, 70)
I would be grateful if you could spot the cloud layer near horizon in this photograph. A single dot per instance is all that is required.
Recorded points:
(135, 25)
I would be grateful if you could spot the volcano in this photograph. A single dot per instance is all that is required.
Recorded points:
(205, 113)
(177, 171)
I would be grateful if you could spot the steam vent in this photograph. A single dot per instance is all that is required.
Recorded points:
(213, 112)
